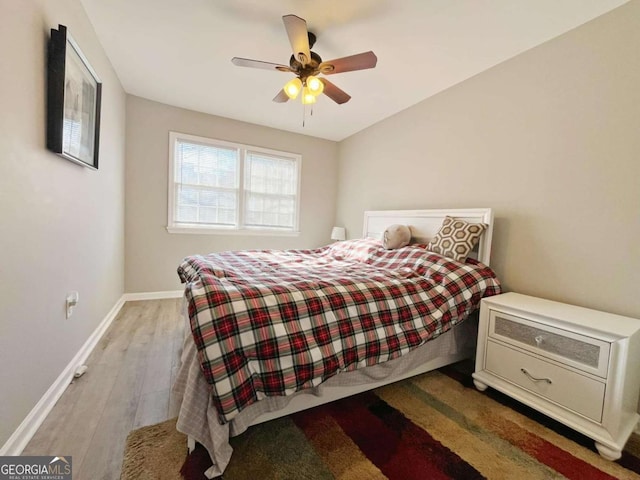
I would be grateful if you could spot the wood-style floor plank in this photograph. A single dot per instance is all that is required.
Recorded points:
(127, 385)
(120, 408)
(71, 424)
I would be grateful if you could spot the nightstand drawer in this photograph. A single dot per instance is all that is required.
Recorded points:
(579, 351)
(564, 387)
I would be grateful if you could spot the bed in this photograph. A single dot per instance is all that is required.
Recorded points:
(270, 333)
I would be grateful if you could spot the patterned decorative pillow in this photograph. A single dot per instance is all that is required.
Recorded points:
(456, 238)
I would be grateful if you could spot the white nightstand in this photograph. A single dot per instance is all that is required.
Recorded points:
(578, 366)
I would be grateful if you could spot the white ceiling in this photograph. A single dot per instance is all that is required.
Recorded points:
(179, 52)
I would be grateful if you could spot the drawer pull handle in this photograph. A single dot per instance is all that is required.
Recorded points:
(531, 377)
(538, 339)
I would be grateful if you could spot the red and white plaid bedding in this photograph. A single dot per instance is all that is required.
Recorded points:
(274, 322)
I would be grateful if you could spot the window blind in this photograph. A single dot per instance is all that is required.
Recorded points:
(270, 189)
(217, 184)
(206, 184)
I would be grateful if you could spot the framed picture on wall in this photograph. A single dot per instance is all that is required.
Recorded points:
(73, 94)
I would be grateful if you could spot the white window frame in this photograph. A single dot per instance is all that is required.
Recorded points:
(240, 228)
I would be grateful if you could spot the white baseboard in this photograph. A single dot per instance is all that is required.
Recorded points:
(128, 297)
(25, 431)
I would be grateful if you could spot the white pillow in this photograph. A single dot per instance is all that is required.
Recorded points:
(396, 236)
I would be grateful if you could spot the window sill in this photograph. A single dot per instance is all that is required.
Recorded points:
(232, 231)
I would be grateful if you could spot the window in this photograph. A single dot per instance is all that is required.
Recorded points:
(217, 186)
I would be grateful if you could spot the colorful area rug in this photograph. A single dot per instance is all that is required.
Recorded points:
(435, 426)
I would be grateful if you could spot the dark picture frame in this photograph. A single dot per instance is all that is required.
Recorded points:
(74, 94)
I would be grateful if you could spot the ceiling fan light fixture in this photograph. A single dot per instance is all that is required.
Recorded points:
(308, 97)
(314, 85)
(292, 88)
(307, 65)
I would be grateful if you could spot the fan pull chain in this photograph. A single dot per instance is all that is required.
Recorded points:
(304, 113)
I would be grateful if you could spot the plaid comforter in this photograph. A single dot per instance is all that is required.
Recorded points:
(274, 322)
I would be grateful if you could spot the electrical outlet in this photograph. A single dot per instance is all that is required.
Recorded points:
(72, 301)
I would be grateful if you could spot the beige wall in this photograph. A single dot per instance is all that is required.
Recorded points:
(550, 140)
(62, 224)
(153, 254)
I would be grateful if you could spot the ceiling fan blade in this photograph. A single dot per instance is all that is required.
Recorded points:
(298, 37)
(334, 93)
(246, 62)
(281, 97)
(360, 61)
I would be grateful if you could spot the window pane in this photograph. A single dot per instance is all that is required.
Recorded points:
(206, 178)
(206, 165)
(206, 206)
(208, 215)
(264, 210)
(188, 214)
(270, 187)
(187, 195)
(209, 198)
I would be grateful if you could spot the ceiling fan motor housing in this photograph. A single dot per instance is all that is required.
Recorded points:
(311, 68)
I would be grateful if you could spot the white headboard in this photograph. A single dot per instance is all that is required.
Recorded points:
(424, 224)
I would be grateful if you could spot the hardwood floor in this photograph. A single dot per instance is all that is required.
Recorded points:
(127, 386)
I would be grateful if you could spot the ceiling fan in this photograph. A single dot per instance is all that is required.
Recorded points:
(307, 65)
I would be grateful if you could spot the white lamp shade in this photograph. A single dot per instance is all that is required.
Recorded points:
(338, 233)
